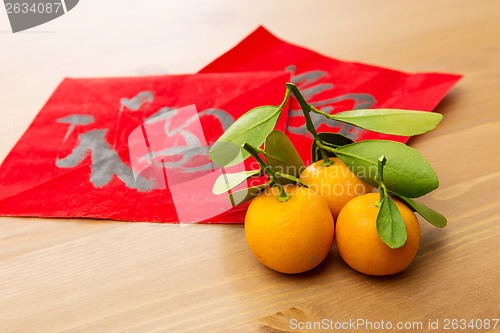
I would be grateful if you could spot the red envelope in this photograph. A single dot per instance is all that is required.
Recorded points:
(74, 161)
(333, 86)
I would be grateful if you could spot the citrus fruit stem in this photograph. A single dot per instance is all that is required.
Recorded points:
(379, 178)
(283, 196)
(326, 160)
(306, 109)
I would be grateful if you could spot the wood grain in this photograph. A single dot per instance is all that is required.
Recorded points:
(101, 276)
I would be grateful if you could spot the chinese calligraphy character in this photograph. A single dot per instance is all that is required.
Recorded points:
(306, 82)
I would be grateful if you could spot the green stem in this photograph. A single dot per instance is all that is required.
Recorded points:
(341, 152)
(266, 154)
(380, 180)
(380, 171)
(306, 109)
(326, 160)
(330, 144)
(254, 152)
(325, 147)
(287, 94)
(333, 117)
(313, 109)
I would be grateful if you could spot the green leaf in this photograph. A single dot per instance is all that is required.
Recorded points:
(282, 156)
(433, 217)
(391, 121)
(335, 139)
(238, 197)
(228, 181)
(390, 225)
(253, 127)
(406, 172)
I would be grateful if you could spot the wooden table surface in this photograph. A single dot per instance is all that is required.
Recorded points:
(100, 276)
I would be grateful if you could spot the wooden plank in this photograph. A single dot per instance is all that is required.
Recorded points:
(101, 276)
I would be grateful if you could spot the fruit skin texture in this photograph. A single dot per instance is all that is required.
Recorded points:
(292, 236)
(359, 244)
(336, 183)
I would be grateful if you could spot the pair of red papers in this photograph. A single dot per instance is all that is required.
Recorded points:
(81, 155)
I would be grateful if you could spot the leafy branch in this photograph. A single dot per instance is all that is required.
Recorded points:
(407, 174)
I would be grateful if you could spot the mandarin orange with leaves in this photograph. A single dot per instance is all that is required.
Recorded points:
(290, 236)
(289, 229)
(359, 244)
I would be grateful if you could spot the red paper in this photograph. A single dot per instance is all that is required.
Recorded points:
(73, 161)
(333, 86)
